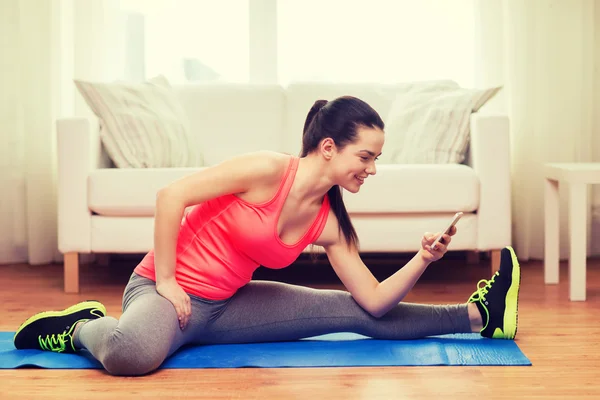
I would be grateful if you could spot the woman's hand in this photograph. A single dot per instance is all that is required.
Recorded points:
(430, 255)
(170, 290)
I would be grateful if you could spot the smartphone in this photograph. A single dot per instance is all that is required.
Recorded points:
(447, 230)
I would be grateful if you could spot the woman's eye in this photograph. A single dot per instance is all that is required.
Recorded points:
(364, 158)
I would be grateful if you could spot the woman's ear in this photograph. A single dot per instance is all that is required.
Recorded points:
(328, 148)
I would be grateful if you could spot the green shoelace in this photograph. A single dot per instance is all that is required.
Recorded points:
(58, 342)
(481, 292)
(54, 342)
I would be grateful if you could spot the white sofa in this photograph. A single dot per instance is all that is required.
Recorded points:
(110, 210)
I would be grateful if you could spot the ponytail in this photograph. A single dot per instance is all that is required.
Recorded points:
(345, 226)
(338, 120)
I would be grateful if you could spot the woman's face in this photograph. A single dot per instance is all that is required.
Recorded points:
(355, 162)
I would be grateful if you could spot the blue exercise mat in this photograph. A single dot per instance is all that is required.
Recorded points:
(332, 350)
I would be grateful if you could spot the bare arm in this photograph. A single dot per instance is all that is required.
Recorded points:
(376, 298)
(391, 291)
(235, 175)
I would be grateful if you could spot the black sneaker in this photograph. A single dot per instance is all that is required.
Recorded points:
(52, 330)
(498, 299)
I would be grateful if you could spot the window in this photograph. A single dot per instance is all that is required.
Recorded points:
(376, 40)
(186, 40)
(383, 41)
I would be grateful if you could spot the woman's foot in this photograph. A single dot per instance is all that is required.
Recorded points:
(474, 318)
(497, 300)
(53, 330)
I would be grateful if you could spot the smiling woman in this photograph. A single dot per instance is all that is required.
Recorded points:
(263, 209)
(330, 127)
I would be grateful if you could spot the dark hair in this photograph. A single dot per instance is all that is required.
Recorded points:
(338, 119)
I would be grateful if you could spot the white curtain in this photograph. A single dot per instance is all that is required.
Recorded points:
(29, 105)
(45, 44)
(545, 53)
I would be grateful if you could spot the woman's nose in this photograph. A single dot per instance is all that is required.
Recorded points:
(371, 169)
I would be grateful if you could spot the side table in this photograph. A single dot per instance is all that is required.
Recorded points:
(577, 176)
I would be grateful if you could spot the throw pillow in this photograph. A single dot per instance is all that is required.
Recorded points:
(394, 138)
(142, 125)
(433, 127)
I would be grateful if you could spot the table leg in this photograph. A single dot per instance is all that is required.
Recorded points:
(578, 239)
(551, 232)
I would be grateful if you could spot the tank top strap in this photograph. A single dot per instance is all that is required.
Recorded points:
(288, 181)
(320, 222)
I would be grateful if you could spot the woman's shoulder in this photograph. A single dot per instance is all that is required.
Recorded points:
(267, 163)
(274, 158)
(262, 162)
(263, 171)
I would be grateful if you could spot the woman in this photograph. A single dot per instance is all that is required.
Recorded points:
(264, 208)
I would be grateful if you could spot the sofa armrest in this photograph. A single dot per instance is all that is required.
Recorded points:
(77, 142)
(490, 158)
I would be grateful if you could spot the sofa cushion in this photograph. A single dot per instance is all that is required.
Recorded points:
(432, 127)
(129, 192)
(417, 188)
(143, 125)
(394, 189)
(230, 119)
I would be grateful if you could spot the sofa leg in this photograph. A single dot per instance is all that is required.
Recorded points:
(495, 261)
(71, 272)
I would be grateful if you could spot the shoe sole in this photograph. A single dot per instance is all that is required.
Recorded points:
(511, 314)
(75, 308)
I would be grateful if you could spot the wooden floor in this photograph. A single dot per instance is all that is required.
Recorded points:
(561, 338)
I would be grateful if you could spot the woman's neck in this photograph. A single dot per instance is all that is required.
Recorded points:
(311, 182)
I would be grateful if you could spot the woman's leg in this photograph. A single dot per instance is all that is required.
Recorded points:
(272, 311)
(138, 342)
(145, 335)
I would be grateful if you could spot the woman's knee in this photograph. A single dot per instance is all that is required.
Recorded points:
(127, 355)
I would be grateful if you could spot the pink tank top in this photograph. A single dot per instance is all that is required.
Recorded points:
(224, 240)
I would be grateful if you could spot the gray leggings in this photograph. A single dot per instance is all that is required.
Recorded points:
(148, 331)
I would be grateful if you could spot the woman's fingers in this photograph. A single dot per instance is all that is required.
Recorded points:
(183, 311)
(188, 310)
(180, 314)
(426, 240)
(442, 245)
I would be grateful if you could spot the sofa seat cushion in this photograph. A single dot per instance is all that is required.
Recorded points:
(394, 189)
(400, 188)
(129, 191)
